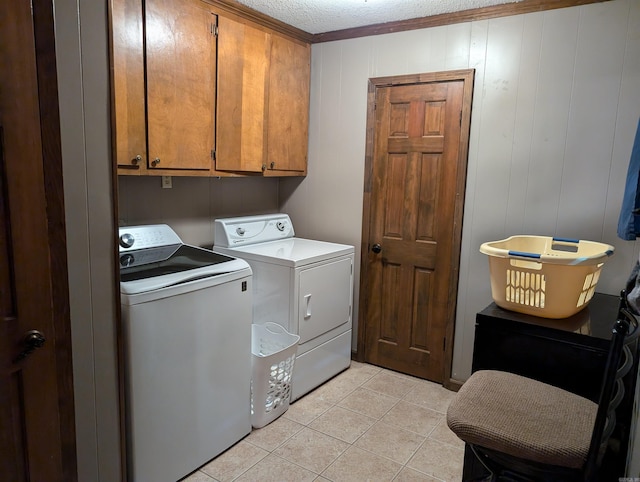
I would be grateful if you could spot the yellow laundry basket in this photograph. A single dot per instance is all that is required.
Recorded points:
(544, 276)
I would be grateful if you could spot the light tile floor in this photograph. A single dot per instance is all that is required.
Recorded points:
(366, 424)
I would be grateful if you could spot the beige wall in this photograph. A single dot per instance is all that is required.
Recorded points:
(192, 204)
(556, 103)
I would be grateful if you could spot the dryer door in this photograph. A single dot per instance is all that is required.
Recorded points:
(325, 294)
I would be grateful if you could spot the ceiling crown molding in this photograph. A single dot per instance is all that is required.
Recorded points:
(483, 13)
(243, 11)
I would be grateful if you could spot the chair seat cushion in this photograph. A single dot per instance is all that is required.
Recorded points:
(524, 418)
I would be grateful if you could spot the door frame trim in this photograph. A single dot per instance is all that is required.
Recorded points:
(467, 77)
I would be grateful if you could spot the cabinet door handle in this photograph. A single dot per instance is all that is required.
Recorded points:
(307, 299)
(155, 162)
(136, 160)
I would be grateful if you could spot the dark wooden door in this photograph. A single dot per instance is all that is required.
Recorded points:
(37, 430)
(410, 260)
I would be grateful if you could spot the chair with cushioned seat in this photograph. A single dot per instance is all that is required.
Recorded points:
(525, 430)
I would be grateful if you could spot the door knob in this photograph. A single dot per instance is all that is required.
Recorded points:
(31, 341)
(376, 248)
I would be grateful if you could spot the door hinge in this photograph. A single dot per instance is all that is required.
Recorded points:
(460, 117)
(214, 29)
(444, 343)
(213, 154)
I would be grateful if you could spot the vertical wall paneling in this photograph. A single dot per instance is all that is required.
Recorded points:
(457, 46)
(626, 123)
(555, 103)
(527, 83)
(497, 117)
(551, 115)
(592, 120)
(83, 82)
(389, 54)
(474, 290)
(76, 206)
(418, 60)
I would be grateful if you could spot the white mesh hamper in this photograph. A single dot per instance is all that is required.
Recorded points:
(273, 352)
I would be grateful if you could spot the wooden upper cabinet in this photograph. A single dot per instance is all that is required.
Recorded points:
(200, 91)
(263, 100)
(243, 69)
(181, 84)
(128, 94)
(288, 113)
(173, 115)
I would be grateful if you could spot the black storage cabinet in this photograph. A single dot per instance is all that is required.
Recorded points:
(569, 353)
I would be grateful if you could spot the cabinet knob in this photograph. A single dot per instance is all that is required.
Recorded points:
(136, 160)
(155, 162)
(264, 167)
(272, 165)
(376, 248)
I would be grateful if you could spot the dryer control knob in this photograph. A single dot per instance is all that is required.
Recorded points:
(127, 240)
(280, 225)
(240, 231)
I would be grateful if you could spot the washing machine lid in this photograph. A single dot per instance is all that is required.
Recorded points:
(293, 252)
(156, 268)
(153, 257)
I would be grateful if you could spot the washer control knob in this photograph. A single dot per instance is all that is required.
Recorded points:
(240, 231)
(127, 240)
(281, 225)
(126, 260)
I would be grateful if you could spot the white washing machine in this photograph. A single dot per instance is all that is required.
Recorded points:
(304, 285)
(186, 315)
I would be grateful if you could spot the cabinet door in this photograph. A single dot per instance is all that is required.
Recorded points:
(288, 115)
(243, 62)
(181, 84)
(127, 57)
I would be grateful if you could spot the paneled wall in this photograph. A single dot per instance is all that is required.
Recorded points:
(83, 87)
(555, 108)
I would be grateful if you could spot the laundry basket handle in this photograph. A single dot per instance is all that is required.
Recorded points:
(274, 328)
(555, 239)
(556, 255)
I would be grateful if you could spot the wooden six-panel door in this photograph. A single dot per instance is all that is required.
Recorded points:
(415, 190)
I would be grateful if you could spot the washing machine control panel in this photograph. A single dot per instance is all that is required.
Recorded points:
(231, 232)
(144, 237)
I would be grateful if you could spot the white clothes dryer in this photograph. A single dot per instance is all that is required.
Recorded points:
(186, 315)
(304, 285)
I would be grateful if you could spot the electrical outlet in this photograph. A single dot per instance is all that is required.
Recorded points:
(166, 182)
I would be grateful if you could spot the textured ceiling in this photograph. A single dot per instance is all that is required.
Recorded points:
(319, 16)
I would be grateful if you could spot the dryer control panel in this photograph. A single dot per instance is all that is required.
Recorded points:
(233, 232)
